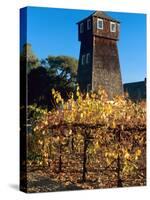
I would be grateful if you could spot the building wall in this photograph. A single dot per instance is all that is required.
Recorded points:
(136, 91)
(84, 74)
(106, 67)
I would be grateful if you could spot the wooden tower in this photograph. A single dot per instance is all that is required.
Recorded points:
(99, 61)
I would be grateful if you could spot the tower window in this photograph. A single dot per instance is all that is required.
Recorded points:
(112, 27)
(83, 59)
(81, 28)
(87, 58)
(88, 87)
(88, 24)
(99, 24)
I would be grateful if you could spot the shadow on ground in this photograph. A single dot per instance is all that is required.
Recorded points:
(46, 184)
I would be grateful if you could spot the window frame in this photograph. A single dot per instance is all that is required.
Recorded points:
(83, 59)
(100, 20)
(88, 88)
(111, 30)
(88, 57)
(81, 27)
(89, 24)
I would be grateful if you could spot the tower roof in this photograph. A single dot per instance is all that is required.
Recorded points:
(102, 15)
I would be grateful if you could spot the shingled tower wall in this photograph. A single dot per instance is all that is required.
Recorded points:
(99, 61)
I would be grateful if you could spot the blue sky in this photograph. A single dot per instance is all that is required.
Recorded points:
(54, 32)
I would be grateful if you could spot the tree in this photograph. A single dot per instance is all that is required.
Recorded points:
(39, 87)
(55, 72)
(28, 59)
(63, 68)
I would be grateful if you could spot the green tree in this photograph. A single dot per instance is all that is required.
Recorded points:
(39, 87)
(57, 72)
(63, 68)
(28, 59)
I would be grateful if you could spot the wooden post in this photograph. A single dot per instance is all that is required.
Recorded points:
(84, 156)
(119, 181)
(72, 140)
(72, 144)
(50, 151)
(60, 157)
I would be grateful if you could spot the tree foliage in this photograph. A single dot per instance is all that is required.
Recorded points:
(55, 72)
(63, 69)
(28, 59)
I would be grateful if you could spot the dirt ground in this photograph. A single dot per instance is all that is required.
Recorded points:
(39, 181)
(47, 181)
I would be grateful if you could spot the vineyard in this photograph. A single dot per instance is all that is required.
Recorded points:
(89, 141)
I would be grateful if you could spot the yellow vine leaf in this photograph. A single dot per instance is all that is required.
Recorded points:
(138, 152)
(113, 124)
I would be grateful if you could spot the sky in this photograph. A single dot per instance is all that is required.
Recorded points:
(54, 32)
